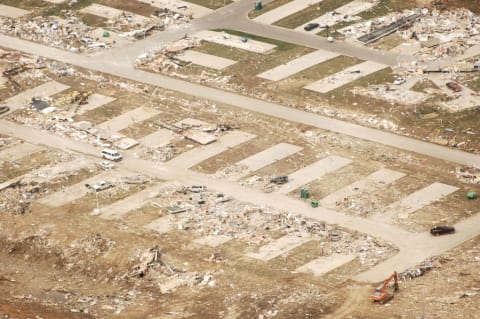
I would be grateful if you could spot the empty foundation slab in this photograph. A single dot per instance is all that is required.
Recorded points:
(18, 151)
(371, 183)
(278, 247)
(132, 202)
(161, 225)
(345, 76)
(206, 60)
(285, 10)
(235, 41)
(187, 8)
(129, 118)
(95, 100)
(212, 240)
(12, 12)
(417, 200)
(267, 157)
(110, 13)
(158, 138)
(44, 90)
(312, 172)
(198, 155)
(323, 265)
(297, 65)
(74, 192)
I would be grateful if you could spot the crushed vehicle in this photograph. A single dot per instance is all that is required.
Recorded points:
(442, 230)
(455, 87)
(100, 186)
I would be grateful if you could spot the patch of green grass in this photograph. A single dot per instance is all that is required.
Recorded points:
(268, 7)
(212, 4)
(93, 20)
(387, 6)
(327, 68)
(420, 86)
(310, 13)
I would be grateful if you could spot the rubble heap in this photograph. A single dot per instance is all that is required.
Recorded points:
(16, 198)
(70, 33)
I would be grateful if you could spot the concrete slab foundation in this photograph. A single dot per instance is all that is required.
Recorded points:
(267, 157)
(312, 172)
(235, 41)
(12, 12)
(206, 60)
(372, 182)
(297, 65)
(323, 265)
(126, 119)
(285, 10)
(161, 225)
(187, 8)
(212, 241)
(159, 138)
(278, 247)
(44, 90)
(95, 100)
(18, 151)
(415, 201)
(195, 156)
(345, 76)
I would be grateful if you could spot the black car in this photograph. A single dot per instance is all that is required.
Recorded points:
(311, 26)
(4, 109)
(442, 230)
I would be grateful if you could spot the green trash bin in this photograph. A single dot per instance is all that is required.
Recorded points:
(106, 34)
(304, 193)
(471, 195)
(258, 5)
(314, 203)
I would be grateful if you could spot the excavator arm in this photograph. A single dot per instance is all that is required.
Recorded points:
(381, 294)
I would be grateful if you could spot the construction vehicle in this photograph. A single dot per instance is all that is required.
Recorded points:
(381, 294)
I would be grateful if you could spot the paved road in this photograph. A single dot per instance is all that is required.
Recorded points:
(247, 103)
(414, 247)
(234, 17)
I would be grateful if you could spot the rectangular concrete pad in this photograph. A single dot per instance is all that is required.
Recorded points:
(278, 247)
(12, 12)
(192, 9)
(132, 202)
(350, 9)
(372, 182)
(74, 192)
(95, 100)
(285, 10)
(197, 155)
(18, 151)
(212, 241)
(206, 60)
(55, 1)
(161, 225)
(126, 119)
(235, 41)
(158, 138)
(110, 13)
(297, 65)
(322, 265)
(417, 200)
(312, 172)
(268, 156)
(345, 76)
(43, 90)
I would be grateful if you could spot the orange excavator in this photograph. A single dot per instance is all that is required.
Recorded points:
(381, 294)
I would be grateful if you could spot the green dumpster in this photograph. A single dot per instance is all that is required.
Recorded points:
(258, 5)
(471, 195)
(314, 203)
(304, 193)
(106, 34)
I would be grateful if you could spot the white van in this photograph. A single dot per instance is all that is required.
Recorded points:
(111, 154)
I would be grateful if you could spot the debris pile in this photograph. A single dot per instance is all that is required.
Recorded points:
(392, 94)
(69, 33)
(163, 58)
(92, 245)
(16, 197)
(150, 259)
(468, 175)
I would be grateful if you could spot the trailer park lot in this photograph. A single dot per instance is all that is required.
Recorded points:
(192, 223)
